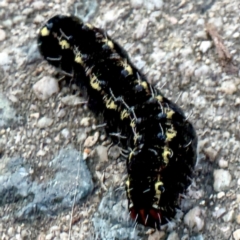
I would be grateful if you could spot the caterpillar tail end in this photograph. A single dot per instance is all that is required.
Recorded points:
(148, 217)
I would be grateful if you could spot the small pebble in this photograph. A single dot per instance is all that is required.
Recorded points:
(2, 35)
(202, 71)
(211, 153)
(45, 88)
(38, 5)
(7, 23)
(228, 87)
(220, 195)
(44, 122)
(149, 5)
(153, 4)
(236, 35)
(11, 231)
(236, 234)
(91, 140)
(61, 113)
(72, 100)
(222, 163)
(4, 60)
(85, 122)
(38, 19)
(205, 46)
(237, 101)
(222, 180)
(173, 236)
(102, 153)
(64, 236)
(193, 219)
(27, 11)
(65, 133)
(228, 217)
(201, 35)
(136, 3)
(200, 22)
(141, 29)
(238, 219)
(18, 237)
(41, 153)
(50, 236)
(218, 212)
(159, 235)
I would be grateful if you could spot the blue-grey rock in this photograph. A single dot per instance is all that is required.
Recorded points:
(7, 112)
(112, 219)
(50, 196)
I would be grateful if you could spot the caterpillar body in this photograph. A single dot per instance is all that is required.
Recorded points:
(158, 142)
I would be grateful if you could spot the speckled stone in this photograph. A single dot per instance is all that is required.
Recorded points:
(205, 46)
(45, 88)
(236, 234)
(173, 236)
(194, 219)
(2, 35)
(44, 122)
(222, 180)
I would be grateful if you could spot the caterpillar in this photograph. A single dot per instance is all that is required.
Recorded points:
(158, 142)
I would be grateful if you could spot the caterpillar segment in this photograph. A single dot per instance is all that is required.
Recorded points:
(79, 57)
(88, 26)
(157, 140)
(166, 155)
(107, 44)
(127, 69)
(44, 32)
(94, 82)
(146, 210)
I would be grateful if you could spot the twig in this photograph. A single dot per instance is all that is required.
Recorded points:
(223, 52)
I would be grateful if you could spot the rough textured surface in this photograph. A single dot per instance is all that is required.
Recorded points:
(7, 113)
(49, 196)
(169, 50)
(110, 219)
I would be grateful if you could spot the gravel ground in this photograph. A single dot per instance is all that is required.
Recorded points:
(189, 49)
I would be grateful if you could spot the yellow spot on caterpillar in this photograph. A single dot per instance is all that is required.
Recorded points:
(157, 195)
(94, 82)
(166, 153)
(44, 32)
(127, 69)
(124, 114)
(158, 184)
(133, 123)
(159, 98)
(109, 43)
(88, 25)
(145, 85)
(169, 113)
(64, 44)
(128, 190)
(110, 104)
(128, 186)
(170, 134)
(78, 58)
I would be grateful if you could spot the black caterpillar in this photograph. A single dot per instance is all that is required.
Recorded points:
(158, 143)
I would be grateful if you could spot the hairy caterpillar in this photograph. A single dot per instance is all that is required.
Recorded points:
(158, 143)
